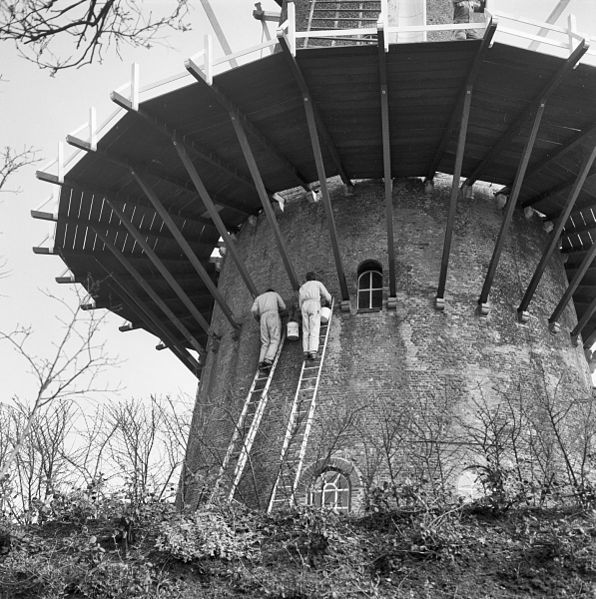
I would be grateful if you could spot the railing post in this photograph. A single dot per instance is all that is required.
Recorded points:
(571, 29)
(134, 86)
(208, 60)
(93, 128)
(60, 162)
(292, 27)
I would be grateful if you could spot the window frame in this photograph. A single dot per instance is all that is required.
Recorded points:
(321, 488)
(371, 271)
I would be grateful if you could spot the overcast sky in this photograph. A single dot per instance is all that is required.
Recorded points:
(38, 110)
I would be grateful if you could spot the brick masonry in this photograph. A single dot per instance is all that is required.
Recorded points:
(397, 385)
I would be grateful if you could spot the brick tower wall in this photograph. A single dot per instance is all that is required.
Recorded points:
(398, 386)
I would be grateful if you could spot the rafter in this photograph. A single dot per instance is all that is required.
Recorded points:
(550, 159)
(165, 273)
(127, 164)
(303, 87)
(186, 248)
(556, 233)
(583, 321)
(248, 125)
(132, 271)
(169, 132)
(561, 188)
(532, 107)
(456, 112)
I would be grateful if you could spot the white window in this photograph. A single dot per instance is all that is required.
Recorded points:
(331, 490)
(370, 286)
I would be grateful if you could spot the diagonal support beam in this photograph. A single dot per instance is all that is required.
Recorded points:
(509, 209)
(574, 284)
(215, 217)
(134, 273)
(459, 159)
(249, 127)
(149, 318)
(161, 267)
(318, 157)
(556, 233)
(532, 107)
(387, 176)
(303, 87)
(456, 113)
(186, 249)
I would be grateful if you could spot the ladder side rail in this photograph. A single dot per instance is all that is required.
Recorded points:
(287, 437)
(311, 411)
(256, 422)
(236, 433)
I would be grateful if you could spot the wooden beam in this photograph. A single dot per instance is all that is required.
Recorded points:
(248, 125)
(387, 175)
(456, 112)
(532, 107)
(318, 158)
(509, 209)
(186, 249)
(134, 273)
(169, 132)
(303, 87)
(556, 233)
(215, 217)
(459, 159)
(574, 284)
(265, 201)
(150, 319)
(165, 273)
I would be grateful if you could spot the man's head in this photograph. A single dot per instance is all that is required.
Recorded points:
(311, 276)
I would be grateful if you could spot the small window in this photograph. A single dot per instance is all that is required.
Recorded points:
(331, 490)
(370, 286)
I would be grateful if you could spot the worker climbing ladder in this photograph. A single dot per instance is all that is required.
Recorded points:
(299, 425)
(247, 427)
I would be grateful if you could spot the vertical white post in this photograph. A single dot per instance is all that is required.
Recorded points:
(93, 128)
(60, 162)
(571, 29)
(134, 86)
(208, 60)
(292, 27)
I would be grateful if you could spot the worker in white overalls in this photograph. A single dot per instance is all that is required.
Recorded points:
(310, 295)
(266, 309)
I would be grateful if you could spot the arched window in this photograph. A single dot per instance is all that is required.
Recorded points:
(331, 490)
(370, 285)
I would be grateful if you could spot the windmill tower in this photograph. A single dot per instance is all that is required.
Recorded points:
(441, 189)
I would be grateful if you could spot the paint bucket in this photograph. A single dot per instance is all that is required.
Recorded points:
(325, 314)
(292, 331)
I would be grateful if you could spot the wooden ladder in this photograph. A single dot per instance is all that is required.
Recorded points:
(247, 427)
(299, 424)
(343, 14)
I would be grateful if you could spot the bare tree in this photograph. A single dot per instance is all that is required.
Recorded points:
(12, 160)
(70, 369)
(42, 29)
